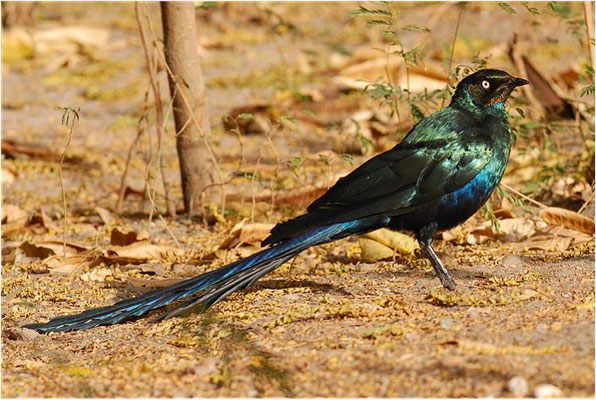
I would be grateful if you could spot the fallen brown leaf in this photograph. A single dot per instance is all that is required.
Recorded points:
(51, 247)
(140, 252)
(544, 243)
(568, 219)
(34, 222)
(243, 233)
(119, 238)
(515, 229)
(68, 265)
(106, 216)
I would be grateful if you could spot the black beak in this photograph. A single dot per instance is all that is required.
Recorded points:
(519, 82)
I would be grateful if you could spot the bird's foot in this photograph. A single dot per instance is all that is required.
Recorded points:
(446, 279)
(440, 270)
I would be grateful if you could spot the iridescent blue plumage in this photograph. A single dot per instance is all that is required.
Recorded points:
(437, 177)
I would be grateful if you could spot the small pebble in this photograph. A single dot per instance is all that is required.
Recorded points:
(446, 323)
(518, 386)
(365, 267)
(482, 270)
(412, 336)
(546, 390)
(474, 312)
(541, 327)
(513, 261)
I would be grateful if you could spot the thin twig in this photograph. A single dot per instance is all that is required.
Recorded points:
(242, 160)
(461, 11)
(169, 231)
(590, 199)
(536, 111)
(523, 196)
(252, 187)
(152, 72)
(588, 16)
(269, 135)
(390, 80)
(141, 128)
(403, 54)
(65, 121)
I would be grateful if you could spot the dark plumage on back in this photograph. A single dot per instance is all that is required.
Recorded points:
(443, 171)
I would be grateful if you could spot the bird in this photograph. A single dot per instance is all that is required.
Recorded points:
(437, 177)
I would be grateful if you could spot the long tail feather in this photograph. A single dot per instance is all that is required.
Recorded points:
(212, 286)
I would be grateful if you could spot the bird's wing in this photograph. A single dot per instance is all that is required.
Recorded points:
(406, 177)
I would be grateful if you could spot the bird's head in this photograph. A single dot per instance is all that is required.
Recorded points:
(487, 88)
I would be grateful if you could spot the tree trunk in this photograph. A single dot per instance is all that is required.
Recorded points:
(198, 166)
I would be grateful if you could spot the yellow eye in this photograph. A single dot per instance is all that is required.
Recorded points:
(485, 84)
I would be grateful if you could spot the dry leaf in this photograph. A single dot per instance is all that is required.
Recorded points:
(360, 76)
(390, 241)
(372, 251)
(13, 149)
(515, 229)
(51, 247)
(243, 233)
(542, 90)
(543, 243)
(106, 216)
(403, 243)
(142, 251)
(34, 251)
(568, 219)
(67, 265)
(119, 238)
(257, 122)
(34, 222)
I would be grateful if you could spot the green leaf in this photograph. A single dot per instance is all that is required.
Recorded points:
(348, 158)
(415, 28)
(294, 163)
(324, 158)
(379, 22)
(207, 4)
(245, 116)
(247, 175)
(588, 90)
(310, 113)
(416, 112)
(368, 11)
(507, 8)
(338, 48)
(381, 91)
(532, 10)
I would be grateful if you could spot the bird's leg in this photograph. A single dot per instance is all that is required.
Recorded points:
(440, 270)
